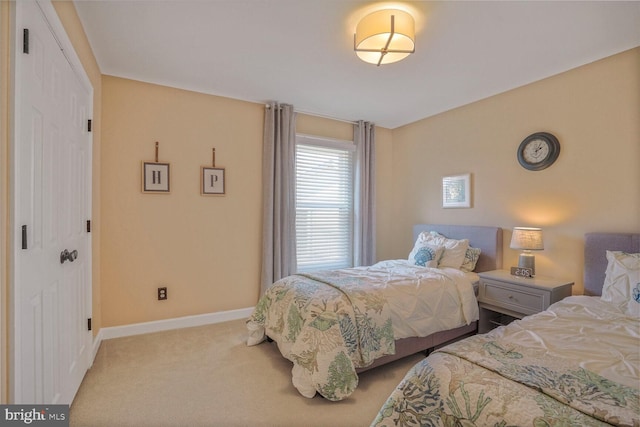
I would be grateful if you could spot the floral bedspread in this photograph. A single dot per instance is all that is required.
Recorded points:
(328, 324)
(491, 380)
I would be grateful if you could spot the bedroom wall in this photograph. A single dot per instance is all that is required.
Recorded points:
(139, 240)
(594, 111)
(205, 249)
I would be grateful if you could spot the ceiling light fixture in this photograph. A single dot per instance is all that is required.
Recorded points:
(385, 36)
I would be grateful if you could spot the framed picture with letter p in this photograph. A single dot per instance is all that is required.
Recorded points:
(212, 182)
(156, 177)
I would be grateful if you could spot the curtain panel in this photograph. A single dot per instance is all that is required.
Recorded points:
(365, 192)
(279, 207)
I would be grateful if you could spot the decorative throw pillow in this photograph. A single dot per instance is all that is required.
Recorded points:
(622, 281)
(426, 236)
(425, 255)
(454, 250)
(470, 259)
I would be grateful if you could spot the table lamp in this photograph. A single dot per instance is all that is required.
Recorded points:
(528, 239)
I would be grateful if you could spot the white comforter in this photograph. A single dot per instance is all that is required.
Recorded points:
(576, 364)
(330, 323)
(601, 336)
(423, 300)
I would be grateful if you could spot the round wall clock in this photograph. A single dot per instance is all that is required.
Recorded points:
(538, 151)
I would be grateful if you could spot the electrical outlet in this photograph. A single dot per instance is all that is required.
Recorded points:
(162, 293)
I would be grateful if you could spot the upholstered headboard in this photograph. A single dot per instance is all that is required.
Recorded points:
(488, 239)
(596, 246)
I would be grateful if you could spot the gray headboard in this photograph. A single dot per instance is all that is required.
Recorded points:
(596, 246)
(488, 239)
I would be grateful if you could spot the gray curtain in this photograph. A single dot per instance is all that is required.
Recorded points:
(278, 209)
(365, 192)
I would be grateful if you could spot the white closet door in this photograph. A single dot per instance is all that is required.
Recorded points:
(52, 298)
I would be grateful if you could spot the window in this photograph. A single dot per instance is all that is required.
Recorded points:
(324, 203)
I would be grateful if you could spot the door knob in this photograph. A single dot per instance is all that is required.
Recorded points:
(68, 256)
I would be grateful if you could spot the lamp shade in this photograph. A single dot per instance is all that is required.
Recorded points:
(527, 238)
(385, 36)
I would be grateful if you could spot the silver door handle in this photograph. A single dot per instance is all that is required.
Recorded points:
(68, 256)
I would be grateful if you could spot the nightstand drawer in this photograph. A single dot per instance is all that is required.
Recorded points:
(522, 300)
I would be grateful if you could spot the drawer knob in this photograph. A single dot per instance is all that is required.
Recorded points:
(510, 296)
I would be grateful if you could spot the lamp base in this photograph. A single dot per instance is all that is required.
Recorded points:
(527, 261)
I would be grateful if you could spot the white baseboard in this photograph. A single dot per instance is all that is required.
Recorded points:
(97, 340)
(168, 324)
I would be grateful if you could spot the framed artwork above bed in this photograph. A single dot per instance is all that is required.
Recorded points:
(456, 191)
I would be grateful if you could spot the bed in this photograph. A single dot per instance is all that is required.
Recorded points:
(334, 325)
(575, 364)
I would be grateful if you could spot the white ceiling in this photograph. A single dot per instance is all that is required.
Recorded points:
(301, 51)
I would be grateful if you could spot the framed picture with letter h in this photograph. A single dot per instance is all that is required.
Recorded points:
(156, 177)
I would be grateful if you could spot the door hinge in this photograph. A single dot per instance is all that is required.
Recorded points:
(25, 41)
(24, 237)
(89, 324)
(89, 125)
(88, 226)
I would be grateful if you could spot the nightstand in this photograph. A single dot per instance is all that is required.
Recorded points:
(503, 298)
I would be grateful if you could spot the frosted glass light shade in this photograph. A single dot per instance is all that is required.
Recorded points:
(385, 36)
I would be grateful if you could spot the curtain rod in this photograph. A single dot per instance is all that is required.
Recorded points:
(322, 116)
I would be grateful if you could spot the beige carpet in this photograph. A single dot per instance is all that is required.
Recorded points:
(207, 376)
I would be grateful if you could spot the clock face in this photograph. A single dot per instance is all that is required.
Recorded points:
(538, 151)
(535, 151)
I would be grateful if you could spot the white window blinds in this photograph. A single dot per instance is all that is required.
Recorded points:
(324, 204)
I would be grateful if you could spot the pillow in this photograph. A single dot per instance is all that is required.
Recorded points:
(622, 281)
(470, 259)
(454, 250)
(425, 255)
